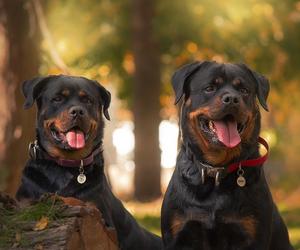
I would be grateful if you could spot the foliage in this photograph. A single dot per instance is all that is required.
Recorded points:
(260, 33)
(97, 44)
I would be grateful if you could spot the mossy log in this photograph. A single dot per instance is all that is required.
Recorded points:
(54, 223)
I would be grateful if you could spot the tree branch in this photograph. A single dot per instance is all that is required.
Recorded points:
(56, 58)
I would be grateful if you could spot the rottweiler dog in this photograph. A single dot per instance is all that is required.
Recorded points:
(218, 197)
(67, 157)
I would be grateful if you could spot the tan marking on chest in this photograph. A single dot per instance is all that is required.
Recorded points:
(248, 223)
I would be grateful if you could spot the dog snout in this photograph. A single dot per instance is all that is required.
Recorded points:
(77, 111)
(230, 99)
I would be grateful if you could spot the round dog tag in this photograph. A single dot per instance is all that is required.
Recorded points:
(241, 181)
(81, 178)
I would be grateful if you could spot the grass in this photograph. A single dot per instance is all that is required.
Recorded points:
(292, 219)
(152, 223)
(147, 214)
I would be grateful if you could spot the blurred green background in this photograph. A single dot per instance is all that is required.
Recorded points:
(132, 47)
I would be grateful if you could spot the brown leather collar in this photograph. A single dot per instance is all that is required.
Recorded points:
(36, 152)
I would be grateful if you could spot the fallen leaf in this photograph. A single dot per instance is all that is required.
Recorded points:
(15, 245)
(38, 247)
(18, 237)
(41, 224)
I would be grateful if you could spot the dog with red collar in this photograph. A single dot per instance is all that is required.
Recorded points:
(67, 157)
(218, 197)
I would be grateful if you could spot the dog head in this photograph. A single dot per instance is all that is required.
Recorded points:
(69, 117)
(220, 112)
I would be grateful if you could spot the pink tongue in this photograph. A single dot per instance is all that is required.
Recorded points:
(75, 139)
(227, 133)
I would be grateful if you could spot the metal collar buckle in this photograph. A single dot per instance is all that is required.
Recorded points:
(32, 149)
(213, 172)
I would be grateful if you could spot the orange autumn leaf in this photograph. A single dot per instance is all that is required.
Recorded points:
(38, 247)
(18, 237)
(41, 224)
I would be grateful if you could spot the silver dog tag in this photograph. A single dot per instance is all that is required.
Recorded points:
(241, 181)
(81, 178)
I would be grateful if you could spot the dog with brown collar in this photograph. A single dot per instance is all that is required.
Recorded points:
(67, 156)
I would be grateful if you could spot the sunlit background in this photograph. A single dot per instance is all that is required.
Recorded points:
(122, 172)
(98, 40)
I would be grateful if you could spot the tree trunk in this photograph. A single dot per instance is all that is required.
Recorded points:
(19, 61)
(146, 107)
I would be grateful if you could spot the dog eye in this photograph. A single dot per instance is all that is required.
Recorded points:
(57, 99)
(87, 100)
(244, 91)
(210, 89)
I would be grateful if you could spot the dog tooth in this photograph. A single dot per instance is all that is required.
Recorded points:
(211, 126)
(215, 139)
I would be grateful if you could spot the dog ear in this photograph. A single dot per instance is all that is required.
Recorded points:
(181, 76)
(32, 88)
(262, 87)
(105, 97)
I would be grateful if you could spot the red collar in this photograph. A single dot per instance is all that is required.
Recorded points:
(253, 162)
(219, 173)
(36, 152)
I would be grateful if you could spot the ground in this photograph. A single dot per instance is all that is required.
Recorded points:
(148, 215)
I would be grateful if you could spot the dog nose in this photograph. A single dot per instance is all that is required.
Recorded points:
(230, 99)
(76, 111)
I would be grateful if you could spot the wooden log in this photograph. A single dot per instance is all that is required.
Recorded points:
(53, 223)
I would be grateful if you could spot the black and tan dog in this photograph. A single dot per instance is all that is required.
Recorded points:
(67, 157)
(218, 197)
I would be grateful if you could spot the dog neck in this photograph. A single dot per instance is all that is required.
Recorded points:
(37, 152)
(220, 172)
